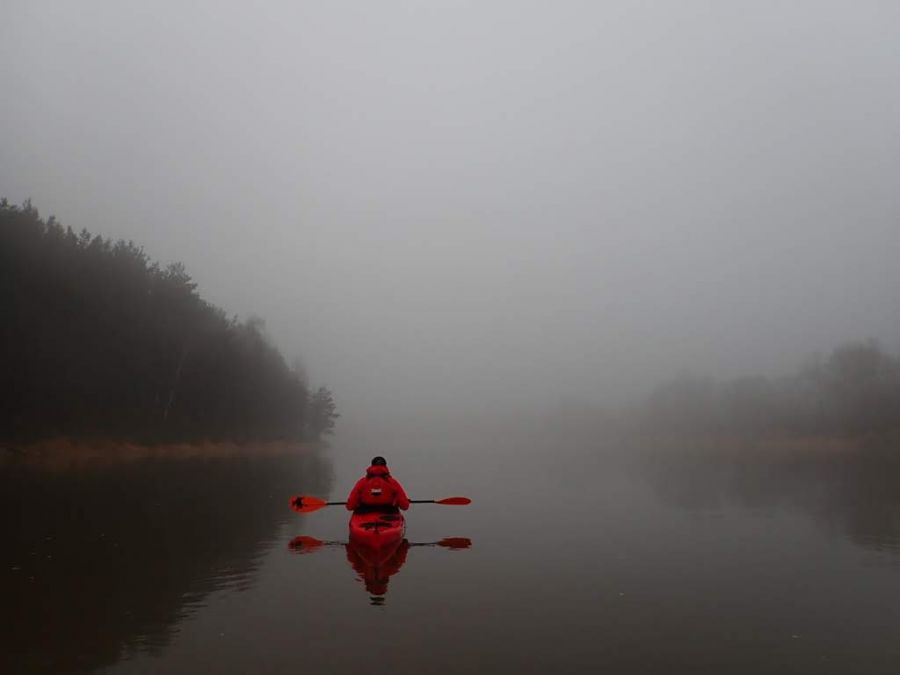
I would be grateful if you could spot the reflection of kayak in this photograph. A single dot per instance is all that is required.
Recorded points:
(375, 567)
(381, 555)
(377, 530)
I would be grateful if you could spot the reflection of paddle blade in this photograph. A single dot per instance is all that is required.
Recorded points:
(304, 544)
(455, 542)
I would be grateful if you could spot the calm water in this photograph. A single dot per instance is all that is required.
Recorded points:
(678, 563)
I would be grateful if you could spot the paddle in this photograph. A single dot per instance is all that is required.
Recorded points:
(307, 544)
(307, 504)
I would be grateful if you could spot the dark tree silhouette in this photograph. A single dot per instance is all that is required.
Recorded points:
(854, 392)
(98, 340)
(322, 413)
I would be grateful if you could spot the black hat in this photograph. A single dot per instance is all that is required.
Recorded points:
(379, 461)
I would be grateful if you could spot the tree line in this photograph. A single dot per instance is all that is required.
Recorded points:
(855, 391)
(97, 340)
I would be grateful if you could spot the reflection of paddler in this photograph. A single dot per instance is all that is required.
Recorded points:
(376, 567)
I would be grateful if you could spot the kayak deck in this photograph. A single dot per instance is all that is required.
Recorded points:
(377, 529)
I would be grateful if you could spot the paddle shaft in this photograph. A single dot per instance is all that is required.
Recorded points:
(411, 501)
(307, 504)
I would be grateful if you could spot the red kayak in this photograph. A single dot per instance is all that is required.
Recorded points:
(377, 530)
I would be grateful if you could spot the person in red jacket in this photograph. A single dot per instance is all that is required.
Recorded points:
(377, 490)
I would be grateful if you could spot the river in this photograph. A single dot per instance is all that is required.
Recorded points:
(578, 559)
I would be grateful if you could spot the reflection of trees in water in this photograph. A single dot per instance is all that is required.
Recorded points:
(108, 561)
(854, 490)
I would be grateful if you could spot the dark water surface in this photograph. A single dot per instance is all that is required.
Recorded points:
(634, 563)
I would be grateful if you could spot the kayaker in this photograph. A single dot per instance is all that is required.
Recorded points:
(377, 490)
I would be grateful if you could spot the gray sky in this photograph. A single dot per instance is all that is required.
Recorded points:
(455, 203)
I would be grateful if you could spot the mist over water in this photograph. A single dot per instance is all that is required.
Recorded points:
(636, 559)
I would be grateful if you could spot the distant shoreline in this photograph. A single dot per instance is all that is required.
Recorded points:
(62, 453)
(758, 445)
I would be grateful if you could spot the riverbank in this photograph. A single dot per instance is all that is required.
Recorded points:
(771, 446)
(63, 453)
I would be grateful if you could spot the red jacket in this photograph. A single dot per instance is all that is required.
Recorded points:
(377, 488)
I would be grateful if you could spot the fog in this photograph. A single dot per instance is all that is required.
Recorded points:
(460, 205)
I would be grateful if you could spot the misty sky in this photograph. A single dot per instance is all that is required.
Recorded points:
(442, 204)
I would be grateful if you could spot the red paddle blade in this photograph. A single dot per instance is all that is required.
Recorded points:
(305, 503)
(453, 501)
(304, 544)
(455, 542)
